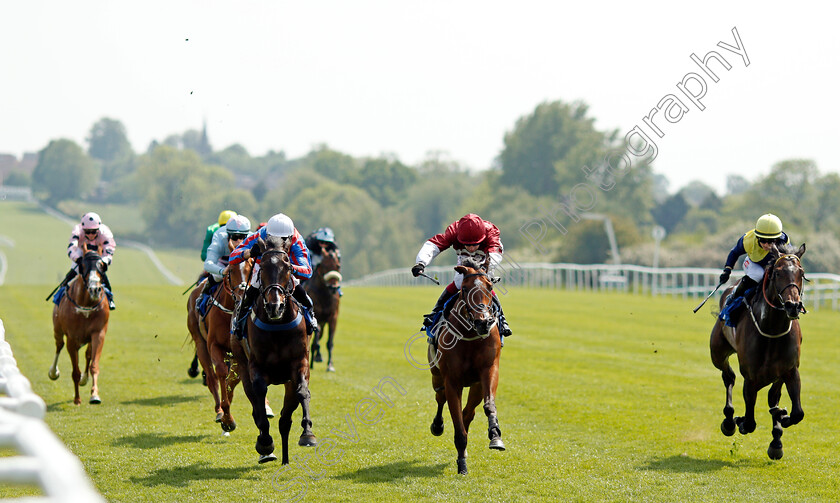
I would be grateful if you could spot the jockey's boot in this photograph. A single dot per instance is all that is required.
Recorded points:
(240, 316)
(445, 296)
(107, 284)
(504, 329)
(305, 301)
(745, 284)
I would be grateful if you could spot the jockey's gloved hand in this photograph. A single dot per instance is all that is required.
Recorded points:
(724, 277)
(103, 266)
(417, 269)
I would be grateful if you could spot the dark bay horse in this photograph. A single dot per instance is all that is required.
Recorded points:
(767, 339)
(323, 288)
(467, 356)
(211, 335)
(82, 316)
(276, 350)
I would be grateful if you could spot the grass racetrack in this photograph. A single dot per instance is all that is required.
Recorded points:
(602, 397)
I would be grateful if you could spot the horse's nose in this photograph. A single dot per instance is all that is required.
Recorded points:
(792, 309)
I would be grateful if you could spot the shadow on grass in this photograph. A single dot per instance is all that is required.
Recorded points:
(155, 440)
(161, 400)
(393, 471)
(686, 464)
(59, 406)
(182, 476)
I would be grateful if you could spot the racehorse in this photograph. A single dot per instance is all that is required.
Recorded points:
(82, 315)
(276, 350)
(767, 340)
(468, 347)
(211, 335)
(323, 288)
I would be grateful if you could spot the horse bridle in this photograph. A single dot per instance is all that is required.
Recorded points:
(462, 294)
(780, 292)
(285, 291)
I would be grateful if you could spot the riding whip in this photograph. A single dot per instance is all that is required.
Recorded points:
(431, 278)
(707, 297)
(190, 287)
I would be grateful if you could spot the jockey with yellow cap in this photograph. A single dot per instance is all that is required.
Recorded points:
(212, 228)
(470, 237)
(756, 244)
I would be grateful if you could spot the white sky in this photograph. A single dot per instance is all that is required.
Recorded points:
(369, 77)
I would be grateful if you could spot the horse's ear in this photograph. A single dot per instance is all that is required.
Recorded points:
(258, 247)
(801, 251)
(461, 269)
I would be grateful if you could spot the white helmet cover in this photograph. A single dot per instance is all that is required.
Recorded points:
(238, 224)
(280, 225)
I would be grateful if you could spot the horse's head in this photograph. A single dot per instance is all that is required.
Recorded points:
(236, 279)
(330, 270)
(89, 268)
(275, 278)
(785, 277)
(477, 294)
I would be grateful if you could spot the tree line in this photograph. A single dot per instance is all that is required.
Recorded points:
(382, 209)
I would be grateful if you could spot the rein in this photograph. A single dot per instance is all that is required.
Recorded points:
(469, 314)
(779, 295)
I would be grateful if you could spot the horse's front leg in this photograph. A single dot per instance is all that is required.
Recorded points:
(794, 387)
(73, 351)
(53, 373)
(94, 354)
(333, 320)
(217, 374)
(746, 424)
(256, 391)
(720, 352)
(307, 438)
(83, 380)
(489, 383)
(453, 397)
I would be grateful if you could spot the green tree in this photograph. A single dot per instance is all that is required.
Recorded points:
(109, 144)
(63, 172)
(547, 150)
(385, 180)
(671, 212)
(181, 195)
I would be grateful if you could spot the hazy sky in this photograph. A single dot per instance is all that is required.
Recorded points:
(372, 77)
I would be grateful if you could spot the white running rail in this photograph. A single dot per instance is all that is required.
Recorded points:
(823, 290)
(43, 461)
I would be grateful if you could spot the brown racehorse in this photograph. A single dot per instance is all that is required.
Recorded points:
(82, 316)
(767, 340)
(467, 356)
(323, 288)
(276, 350)
(211, 335)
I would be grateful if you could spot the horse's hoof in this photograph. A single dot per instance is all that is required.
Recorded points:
(219, 417)
(192, 372)
(497, 444)
(264, 449)
(95, 400)
(308, 441)
(52, 376)
(268, 412)
(318, 358)
(727, 427)
(462, 466)
(437, 429)
(774, 453)
(330, 368)
(228, 427)
(83, 380)
(265, 458)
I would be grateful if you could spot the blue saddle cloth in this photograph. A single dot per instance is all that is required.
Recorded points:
(202, 305)
(731, 310)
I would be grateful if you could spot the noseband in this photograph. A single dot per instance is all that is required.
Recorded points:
(466, 301)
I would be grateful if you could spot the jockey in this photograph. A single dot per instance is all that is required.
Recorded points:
(756, 244)
(320, 241)
(212, 228)
(281, 226)
(225, 240)
(97, 236)
(470, 237)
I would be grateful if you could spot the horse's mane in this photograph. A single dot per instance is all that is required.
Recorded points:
(779, 250)
(471, 262)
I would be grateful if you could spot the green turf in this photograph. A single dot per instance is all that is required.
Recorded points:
(602, 397)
